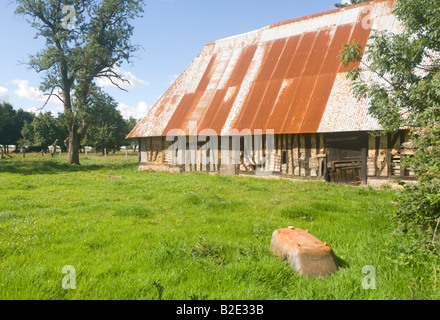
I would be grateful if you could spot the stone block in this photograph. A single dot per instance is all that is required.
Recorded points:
(306, 254)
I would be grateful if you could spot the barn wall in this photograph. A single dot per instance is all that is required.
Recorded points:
(300, 155)
(385, 154)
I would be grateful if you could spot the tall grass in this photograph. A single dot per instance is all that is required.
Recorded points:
(143, 235)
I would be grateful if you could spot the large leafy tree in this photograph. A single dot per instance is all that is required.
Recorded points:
(21, 118)
(406, 94)
(107, 128)
(11, 123)
(43, 131)
(74, 58)
(3, 117)
(7, 122)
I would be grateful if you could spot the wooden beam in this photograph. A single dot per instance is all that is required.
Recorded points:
(139, 149)
(163, 149)
(402, 157)
(151, 149)
(308, 147)
(281, 143)
(299, 154)
(376, 157)
(391, 142)
(292, 143)
(287, 153)
(281, 152)
(364, 169)
(318, 143)
(263, 150)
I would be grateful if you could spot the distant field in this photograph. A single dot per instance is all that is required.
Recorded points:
(140, 235)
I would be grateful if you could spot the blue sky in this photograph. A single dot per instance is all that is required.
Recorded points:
(171, 34)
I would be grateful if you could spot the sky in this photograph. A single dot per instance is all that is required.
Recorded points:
(171, 33)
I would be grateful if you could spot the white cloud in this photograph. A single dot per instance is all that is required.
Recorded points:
(32, 94)
(4, 95)
(27, 92)
(136, 112)
(34, 111)
(133, 80)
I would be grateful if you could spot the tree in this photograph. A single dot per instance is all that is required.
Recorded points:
(3, 118)
(21, 118)
(350, 3)
(131, 124)
(75, 57)
(43, 131)
(7, 123)
(107, 128)
(11, 123)
(406, 93)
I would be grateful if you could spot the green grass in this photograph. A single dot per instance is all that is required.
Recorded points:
(141, 235)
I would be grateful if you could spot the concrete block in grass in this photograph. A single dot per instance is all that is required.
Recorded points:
(305, 253)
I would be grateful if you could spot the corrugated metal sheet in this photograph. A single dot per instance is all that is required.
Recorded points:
(285, 77)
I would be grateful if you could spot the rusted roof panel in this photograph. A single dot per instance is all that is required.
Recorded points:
(285, 77)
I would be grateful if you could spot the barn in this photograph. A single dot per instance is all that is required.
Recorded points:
(277, 101)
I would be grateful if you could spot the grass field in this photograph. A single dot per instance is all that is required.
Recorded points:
(140, 235)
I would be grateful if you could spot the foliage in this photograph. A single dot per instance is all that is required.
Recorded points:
(420, 204)
(406, 93)
(11, 124)
(107, 128)
(7, 122)
(352, 2)
(74, 58)
(4, 116)
(131, 124)
(43, 131)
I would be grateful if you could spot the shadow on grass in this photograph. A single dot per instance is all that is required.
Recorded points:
(342, 264)
(54, 167)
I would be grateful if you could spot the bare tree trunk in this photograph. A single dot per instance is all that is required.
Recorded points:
(73, 149)
(54, 147)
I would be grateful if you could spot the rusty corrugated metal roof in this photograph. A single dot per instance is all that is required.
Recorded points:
(285, 77)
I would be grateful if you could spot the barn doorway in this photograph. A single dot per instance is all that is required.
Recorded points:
(346, 157)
